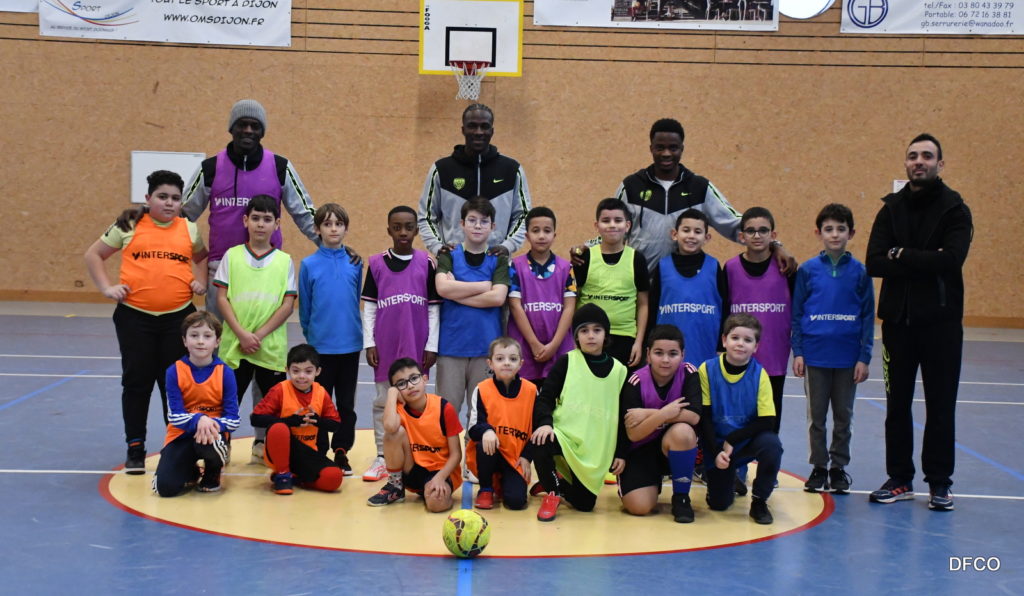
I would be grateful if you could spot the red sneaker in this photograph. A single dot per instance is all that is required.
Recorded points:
(485, 499)
(549, 507)
(537, 490)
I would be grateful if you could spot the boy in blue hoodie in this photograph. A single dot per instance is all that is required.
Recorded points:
(329, 286)
(833, 330)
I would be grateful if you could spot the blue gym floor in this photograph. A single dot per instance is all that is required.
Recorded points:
(60, 419)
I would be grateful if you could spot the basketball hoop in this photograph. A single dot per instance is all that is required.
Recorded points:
(469, 75)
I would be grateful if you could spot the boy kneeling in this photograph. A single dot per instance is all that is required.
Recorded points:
(202, 406)
(298, 413)
(421, 441)
(739, 415)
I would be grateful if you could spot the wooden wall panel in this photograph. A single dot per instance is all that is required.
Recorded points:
(789, 120)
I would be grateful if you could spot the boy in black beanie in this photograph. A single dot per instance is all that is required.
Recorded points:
(578, 418)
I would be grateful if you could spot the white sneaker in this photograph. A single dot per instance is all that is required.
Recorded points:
(469, 476)
(257, 452)
(377, 471)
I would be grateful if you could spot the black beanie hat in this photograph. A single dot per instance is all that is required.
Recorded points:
(590, 313)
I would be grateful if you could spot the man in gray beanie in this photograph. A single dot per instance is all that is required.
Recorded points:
(241, 171)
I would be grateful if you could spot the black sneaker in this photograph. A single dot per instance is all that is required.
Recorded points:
(759, 511)
(739, 487)
(941, 498)
(891, 492)
(210, 482)
(839, 480)
(135, 463)
(818, 481)
(341, 460)
(682, 510)
(388, 494)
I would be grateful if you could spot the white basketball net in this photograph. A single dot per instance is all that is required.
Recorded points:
(469, 75)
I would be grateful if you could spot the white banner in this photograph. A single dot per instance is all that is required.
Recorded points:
(744, 15)
(956, 17)
(19, 5)
(228, 22)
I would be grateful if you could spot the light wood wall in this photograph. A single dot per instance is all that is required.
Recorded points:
(788, 120)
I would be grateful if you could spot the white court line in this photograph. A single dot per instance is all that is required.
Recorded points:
(920, 400)
(96, 376)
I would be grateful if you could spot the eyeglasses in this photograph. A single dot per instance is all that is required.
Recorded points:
(757, 231)
(478, 223)
(404, 384)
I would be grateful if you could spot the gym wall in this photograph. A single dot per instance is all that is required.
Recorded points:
(790, 120)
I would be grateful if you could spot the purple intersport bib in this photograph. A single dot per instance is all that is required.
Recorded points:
(400, 330)
(542, 301)
(767, 298)
(230, 192)
(653, 401)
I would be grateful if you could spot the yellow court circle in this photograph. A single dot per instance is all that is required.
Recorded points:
(246, 508)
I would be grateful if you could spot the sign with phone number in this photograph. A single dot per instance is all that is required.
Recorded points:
(941, 17)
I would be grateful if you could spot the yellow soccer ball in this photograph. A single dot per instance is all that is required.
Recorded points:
(466, 533)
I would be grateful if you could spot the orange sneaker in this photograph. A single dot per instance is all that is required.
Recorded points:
(549, 507)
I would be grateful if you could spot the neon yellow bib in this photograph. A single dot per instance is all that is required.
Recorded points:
(612, 288)
(255, 293)
(586, 420)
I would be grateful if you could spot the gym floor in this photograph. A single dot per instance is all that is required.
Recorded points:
(73, 522)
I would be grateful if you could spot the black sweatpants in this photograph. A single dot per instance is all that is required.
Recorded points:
(339, 374)
(574, 492)
(938, 349)
(149, 344)
(178, 459)
(513, 486)
(777, 382)
(265, 378)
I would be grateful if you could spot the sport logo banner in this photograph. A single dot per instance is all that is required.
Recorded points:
(226, 22)
(955, 17)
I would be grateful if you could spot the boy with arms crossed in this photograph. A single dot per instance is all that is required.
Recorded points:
(663, 407)
(474, 285)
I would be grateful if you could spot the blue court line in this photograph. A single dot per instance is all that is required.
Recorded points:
(968, 450)
(41, 390)
(464, 587)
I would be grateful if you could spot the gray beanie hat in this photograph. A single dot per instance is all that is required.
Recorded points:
(248, 108)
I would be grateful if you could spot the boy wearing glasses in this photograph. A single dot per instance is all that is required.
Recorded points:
(758, 288)
(421, 441)
(473, 284)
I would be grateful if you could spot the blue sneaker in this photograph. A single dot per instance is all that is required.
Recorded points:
(283, 483)
(941, 498)
(891, 492)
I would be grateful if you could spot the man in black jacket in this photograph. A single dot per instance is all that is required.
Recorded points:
(918, 246)
(474, 169)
